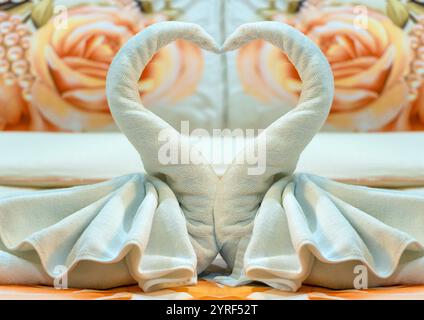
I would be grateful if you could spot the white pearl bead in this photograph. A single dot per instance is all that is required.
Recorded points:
(11, 39)
(412, 96)
(15, 53)
(25, 42)
(9, 78)
(22, 30)
(15, 19)
(25, 81)
(20, 67)
(4, 66)
(6, 27)
(26, 94)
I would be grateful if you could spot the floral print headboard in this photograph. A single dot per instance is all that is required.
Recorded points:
(54, 57)
(375, 49)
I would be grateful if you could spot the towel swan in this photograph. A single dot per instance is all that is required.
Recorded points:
(162, 228)
(153, 229)
(284, 228)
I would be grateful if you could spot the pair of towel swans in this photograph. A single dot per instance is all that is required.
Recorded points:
(163, 228)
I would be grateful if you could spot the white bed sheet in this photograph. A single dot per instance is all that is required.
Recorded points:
(60, 159)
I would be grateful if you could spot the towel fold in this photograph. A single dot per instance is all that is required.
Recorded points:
(312, 230)
(126, 230)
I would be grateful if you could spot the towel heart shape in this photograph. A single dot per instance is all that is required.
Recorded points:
(223, 209)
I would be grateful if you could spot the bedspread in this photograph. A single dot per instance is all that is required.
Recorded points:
(401, 164)
(206, 290)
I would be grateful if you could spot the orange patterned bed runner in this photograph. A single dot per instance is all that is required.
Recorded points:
(209, 291)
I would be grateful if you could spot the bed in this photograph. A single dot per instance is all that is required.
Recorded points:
(33, 161)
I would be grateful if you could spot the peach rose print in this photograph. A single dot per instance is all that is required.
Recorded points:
(369, 66)
(70, 66)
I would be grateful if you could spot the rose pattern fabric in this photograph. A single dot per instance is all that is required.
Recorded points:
(369, 67)
(69, 66)
(52, 79)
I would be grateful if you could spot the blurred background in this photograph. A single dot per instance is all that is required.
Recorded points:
(54, 57)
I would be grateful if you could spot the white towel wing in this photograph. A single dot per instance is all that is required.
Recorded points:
(122, 231)
(316, 231)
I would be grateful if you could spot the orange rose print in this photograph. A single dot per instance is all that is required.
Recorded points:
(70, 66)
(369, 66)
